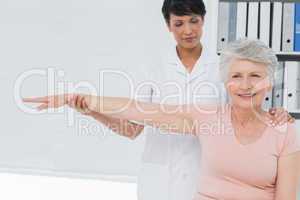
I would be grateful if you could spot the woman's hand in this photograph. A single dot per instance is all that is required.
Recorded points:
(76, 101)
(46, 102)
(279, 116)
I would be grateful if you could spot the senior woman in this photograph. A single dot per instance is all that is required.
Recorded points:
(243, 156)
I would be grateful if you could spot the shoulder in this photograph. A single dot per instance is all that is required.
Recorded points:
(284, 130)
(287, 137)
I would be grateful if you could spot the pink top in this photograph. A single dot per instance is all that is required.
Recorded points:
(231, 170)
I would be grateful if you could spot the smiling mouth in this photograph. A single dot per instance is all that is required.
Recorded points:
(247, 95)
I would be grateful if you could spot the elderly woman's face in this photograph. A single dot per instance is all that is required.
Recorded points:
(248, 83)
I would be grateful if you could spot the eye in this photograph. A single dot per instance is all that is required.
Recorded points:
(236, 76)
(195, 21)
(256, 75)
(178, 24)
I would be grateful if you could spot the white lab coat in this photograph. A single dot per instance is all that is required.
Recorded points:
(170, 162)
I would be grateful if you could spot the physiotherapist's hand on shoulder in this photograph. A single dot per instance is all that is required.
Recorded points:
(279, 116)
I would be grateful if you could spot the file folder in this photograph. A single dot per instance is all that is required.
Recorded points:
(232, 22)
(288, 27)
(291, 81)
(298, 88)
(297, 28)
(268, 101)
(276, 26)
(267, 104)
(223, 21)
(226, 23)
(252, 32)
(264, 32)
(277, 100)
(241, 24)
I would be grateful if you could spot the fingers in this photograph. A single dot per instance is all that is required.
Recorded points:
(271, 115)
(86, 108)
(274, 116)
(43, 100)
(78, 103)
(272, 111)
(279, 112)
(73, 100)
(83, 106)
(291, 119)
(57, 99)
(36, 99)
(281, 119)
(278, 116)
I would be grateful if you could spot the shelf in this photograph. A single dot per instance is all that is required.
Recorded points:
(285, 56)
(292, 1)
(296, 115)
(288, 56)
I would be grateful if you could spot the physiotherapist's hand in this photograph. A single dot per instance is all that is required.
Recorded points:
(279, 116)
(79, 103)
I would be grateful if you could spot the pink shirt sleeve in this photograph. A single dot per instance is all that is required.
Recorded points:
(291, 141)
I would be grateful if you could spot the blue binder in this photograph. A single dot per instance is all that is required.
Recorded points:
(297, 27)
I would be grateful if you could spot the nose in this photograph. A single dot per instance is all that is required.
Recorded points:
(245, 84)
(187, 29)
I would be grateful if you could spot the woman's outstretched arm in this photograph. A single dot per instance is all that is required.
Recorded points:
(173, 118)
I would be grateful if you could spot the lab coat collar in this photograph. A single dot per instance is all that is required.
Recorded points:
(201, 66)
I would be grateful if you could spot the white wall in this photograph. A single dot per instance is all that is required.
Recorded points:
(70, 42)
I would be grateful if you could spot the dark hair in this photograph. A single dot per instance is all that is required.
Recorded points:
(182, 7)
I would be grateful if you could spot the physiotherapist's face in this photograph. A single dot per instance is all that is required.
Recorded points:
(187, 29)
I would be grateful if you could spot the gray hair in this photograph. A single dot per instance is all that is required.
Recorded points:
(252, 50)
